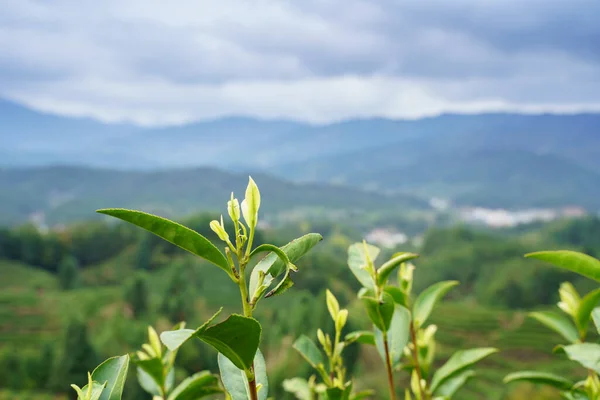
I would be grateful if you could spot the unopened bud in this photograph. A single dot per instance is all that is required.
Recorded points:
(149, 350)
(332, 305)
(341, 319)
(569, 299)
(251, 204)
(155, 342)
(219, 229)
(321, 338)
(405, 277)
(233, 207)
(429, 333)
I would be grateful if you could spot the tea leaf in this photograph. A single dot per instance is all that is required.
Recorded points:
(558, 323)
(451, 385)
(386, 269)
(586, 306)
(357, 260)
(237, 338)
(398, 335)
(298, 387)
(586, 354)
(236, 382)
(153, 368)
(172, 232)
(196, 386)
(398, 295)
(573, 261)
(544, 378)
(426, 300)
(85, 393)
(114, 372)
(336, 393)
(282, 286)
(596, 318)
(147, 382)
(272, 266)
(380, 312)
(362, 337)
(459, 361)
(309, 350)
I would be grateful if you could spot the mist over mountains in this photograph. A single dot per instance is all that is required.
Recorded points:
(490, 160)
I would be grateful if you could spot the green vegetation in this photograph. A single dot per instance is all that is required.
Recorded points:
(573, 327)
(127, 281)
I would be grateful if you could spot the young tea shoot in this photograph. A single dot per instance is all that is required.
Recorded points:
(572, 322)
(237, 338)
(399, 331)
(328, 363)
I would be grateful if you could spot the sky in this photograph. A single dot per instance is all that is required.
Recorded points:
(157, 62)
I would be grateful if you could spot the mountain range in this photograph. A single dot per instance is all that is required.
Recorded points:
(491, 160)
(67, 194)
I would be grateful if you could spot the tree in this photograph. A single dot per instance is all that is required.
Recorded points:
(136, 295)
(68, 273)
(32, 245)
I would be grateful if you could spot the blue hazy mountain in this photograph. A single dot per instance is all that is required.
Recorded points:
(499, 159)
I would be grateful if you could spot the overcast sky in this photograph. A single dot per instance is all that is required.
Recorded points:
(160, 62)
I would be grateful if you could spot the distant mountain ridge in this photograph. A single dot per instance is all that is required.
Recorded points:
(65, 194)
(495, 160)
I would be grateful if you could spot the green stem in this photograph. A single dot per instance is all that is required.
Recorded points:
(163, 392)
(388, 364)
(236, 226)
(244, 293)
(250, 240)
(413, 338)
(247, 313)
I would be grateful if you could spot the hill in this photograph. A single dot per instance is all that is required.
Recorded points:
(487, 177)
(499, 160)
(63, 194)
(513, 162)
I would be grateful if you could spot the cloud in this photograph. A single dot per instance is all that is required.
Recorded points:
(155, 62)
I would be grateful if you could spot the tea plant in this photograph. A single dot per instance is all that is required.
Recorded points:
(399, 332)
(335, 384)
(573, 325)
(237, 338)
(107, 380)
(156, 373)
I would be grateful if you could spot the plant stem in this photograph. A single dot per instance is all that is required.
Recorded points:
(247, 313)
(252, 385)
(388, 364)
(250, 240)
(163, 392)
(413, 338)
(244, 292)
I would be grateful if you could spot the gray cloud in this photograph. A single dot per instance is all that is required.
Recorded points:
(156, 62)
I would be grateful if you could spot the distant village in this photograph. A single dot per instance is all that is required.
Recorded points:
(492, 218)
